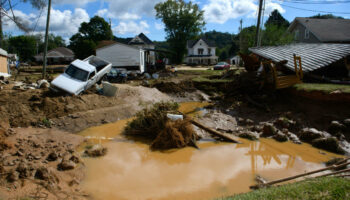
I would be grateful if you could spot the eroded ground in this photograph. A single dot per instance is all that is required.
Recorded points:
(130, 170)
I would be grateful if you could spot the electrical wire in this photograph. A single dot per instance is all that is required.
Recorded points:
(317, 11)
(315, 2)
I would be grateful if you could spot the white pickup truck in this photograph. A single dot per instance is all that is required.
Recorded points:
(80, 75)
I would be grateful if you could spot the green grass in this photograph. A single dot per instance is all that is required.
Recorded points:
(201, 72)
(326, 88)
(311, 189)
(205, 79)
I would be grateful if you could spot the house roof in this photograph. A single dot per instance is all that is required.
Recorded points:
(59, 52)
(116, 43)
(105, 43)
(313, 56)
(140, 39)
(191, 43)
(3, 52)
(326, 30)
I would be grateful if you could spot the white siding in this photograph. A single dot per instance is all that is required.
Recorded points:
(201, 45)
(120, 55)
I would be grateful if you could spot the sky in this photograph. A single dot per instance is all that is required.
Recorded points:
(131, 17)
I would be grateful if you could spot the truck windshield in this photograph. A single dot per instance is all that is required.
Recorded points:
(77, 73)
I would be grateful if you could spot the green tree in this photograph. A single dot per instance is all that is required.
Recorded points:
(248, 38)
(7, 7)
(24, 46)
(327, 16)
(276, 35)
(183, 21)
(277, 19)
(84, 42)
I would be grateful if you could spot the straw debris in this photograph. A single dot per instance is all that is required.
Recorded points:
(153, 124)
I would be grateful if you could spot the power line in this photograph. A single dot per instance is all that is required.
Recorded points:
(317, 11)
(315, 2)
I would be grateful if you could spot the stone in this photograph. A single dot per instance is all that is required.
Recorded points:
(347, 123)
(12, 176)
(75, 159)
(268, 130)
(23, 170)
(291, 136)
(52, 157)
(329, 144)
(43, 84)
(66, 165)
(309, 134)
(42, 173)
(284, 122)
(336, 127)
(249, 135)
(96, 151)
(280, 137)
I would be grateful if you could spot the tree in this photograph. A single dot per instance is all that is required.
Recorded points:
(327, 16)
(24, 46)
(84, 42)
(248, 38)
(276, 35)
(183, 21)
(6, 8)
(277, 19)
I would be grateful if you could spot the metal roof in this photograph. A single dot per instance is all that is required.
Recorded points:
(313, 56)
(3, 52)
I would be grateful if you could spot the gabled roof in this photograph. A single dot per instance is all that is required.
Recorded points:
(326, 30)
(3, 52)
(116, 43)
(140, 39)
(105, 43)
(65, 52)
(313, 56)
(191, 43)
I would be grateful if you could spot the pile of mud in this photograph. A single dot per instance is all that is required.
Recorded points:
(41, 107)
(153, 125)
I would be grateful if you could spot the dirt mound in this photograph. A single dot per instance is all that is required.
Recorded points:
(175, 88)
(40, 106)
(153, 124)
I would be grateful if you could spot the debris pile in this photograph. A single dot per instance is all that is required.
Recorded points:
(163, 133)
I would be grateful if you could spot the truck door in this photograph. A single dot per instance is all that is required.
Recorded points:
(142, 61)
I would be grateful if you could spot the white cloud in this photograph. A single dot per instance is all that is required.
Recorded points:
(131, 27)
(131, 10)
(220, 11)
(73, 2)
(159, 26)
(64, 23)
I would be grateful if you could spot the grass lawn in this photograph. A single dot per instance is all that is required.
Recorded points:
(326, 88)
(321, 188)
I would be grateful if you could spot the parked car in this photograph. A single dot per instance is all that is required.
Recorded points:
(80, 75)
(117, 75)
(221, 66)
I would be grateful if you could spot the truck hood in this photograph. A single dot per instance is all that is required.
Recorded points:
(68, 84)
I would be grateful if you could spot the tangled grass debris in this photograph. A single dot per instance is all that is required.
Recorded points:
(153, 124)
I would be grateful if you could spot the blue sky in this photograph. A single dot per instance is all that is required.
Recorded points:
(130, 17)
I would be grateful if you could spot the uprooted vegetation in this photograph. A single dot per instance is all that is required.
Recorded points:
(153, 125)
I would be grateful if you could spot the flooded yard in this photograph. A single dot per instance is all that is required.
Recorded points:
(130, 170)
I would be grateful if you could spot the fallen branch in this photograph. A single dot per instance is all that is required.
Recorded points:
(334, 173)
(300, 175)
(214, 132)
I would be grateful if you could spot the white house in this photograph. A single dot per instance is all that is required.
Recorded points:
(201, 51)
(126, 55)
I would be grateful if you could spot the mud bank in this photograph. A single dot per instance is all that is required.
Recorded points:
(42, 108)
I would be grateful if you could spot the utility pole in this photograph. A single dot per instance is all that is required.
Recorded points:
(46, 39)
(258, 24)
(240, 35)
(1, 34)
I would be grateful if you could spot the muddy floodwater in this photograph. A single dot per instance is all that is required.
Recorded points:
(131, 171)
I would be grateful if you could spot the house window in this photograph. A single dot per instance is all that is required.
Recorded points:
(209, 51)
(200, 51)
(307, 34)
